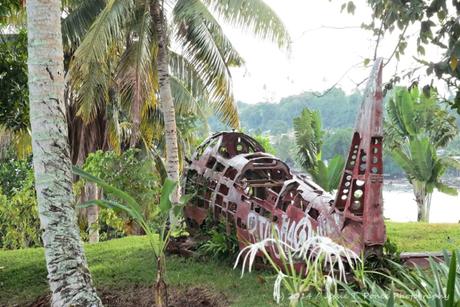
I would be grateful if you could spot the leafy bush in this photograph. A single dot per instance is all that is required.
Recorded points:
(14, 174)
(221, 244)
(131, 172)
(19, 222)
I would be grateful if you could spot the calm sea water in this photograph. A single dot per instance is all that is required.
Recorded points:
(400, 206)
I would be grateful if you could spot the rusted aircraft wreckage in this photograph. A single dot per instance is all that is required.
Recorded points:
(236, 181)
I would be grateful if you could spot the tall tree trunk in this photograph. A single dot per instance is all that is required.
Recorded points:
(420, 199)
(68, 274)
(428, 207)
(92, 213)
(166, 99)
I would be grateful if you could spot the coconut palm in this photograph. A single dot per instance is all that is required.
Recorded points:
(153, 56)
(68, 274)
(415, 128)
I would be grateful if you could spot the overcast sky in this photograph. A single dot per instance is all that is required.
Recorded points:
(321, 52)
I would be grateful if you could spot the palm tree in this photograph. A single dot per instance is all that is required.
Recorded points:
(424, 169)
(152, 55)
(415, 128)
(68, 274)
(309, 141)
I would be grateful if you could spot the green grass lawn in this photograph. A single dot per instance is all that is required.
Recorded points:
(420, 237)
(125, 262)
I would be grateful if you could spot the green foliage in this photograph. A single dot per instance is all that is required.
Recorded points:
(265, 142)
(19, 223)
(336, 142)
(413, 113)
(309, 138)
(130, 171)
(8, 8)
(328, 176)
(14, 174)
(221, 244)
(14, 93)
(134, 174)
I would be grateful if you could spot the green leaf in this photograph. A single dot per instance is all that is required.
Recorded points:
(391, 299)
(177, 210)
(132, 203)
(185, 199)
(450, 291)
(335, 169)
(443, 188)
(165, 200)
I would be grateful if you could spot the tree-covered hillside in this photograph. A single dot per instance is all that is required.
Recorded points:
(337, 109)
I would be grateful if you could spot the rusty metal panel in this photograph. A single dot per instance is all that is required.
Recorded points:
(252, 191)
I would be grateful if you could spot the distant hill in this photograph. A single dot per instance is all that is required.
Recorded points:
(337, 109)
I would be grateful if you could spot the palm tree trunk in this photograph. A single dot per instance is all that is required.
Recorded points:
(420, 199)
(428, 207)
(68, 274)
(166, 99)
(92, 213)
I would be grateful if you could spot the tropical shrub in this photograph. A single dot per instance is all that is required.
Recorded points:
(14, 174)
(19, 222)
(130, 171)
(220, 244)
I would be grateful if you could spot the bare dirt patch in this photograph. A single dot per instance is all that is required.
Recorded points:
(140, 296)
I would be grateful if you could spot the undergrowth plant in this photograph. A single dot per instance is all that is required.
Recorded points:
(220, 243)
(158, 234)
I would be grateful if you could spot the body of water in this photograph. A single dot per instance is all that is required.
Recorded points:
(400, 206)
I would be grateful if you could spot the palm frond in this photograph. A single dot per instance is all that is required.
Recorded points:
(308, 136)
(444, 188)
(203, 52)
(191, 80)
(79, 19)
(253, 15)
(191, 12)
(89, 70)
(334, 170)
(135, 72)
(422, 153)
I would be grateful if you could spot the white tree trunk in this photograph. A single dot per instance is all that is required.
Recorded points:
(68, 274)
(92, 213)
(421, 200)
(166, 99)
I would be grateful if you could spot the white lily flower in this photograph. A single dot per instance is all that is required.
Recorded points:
(250, 252)
(330, 286)
(277, 287)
